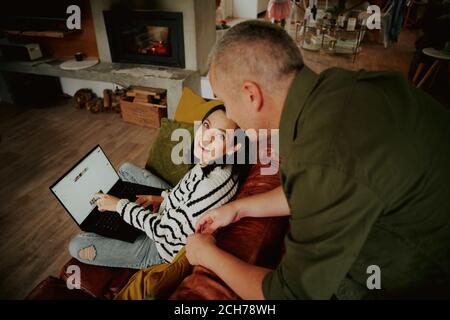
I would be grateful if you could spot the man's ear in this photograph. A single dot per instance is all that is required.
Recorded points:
(253, 94)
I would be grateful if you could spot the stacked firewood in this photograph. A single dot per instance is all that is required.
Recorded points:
(87, 99)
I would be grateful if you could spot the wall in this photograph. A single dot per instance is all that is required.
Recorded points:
(227, 8)
(84, 40)
(205, 29)
(206, 89)
(97, 7)
(249, 8)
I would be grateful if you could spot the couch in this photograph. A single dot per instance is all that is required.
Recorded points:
(258, 241)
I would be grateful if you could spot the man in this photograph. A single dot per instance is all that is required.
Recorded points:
(365, 175)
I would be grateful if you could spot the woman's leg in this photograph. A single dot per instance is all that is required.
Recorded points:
(132, 173)
(91, 248)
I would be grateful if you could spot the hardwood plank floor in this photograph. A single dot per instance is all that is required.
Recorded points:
(373, 55)
(36, 147)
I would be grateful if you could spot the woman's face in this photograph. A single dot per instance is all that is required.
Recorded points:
(212, 138)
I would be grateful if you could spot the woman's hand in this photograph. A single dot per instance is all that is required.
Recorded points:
(217, 218)
(147, 200)
(105, 202)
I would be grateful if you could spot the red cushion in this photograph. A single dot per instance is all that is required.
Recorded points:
(56, 289)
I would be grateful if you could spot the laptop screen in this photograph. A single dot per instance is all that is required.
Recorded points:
(77, 188)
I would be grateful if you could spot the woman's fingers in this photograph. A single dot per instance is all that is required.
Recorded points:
(202, 225)
(147, 203)
(199, 226)
(140, 201)
(209, 228)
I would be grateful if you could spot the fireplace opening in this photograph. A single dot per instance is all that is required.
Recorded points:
(149, 37)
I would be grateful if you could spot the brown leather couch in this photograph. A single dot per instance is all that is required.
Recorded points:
(258, 241)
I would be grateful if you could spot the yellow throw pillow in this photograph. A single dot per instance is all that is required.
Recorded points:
(193, 107)
(157, 282)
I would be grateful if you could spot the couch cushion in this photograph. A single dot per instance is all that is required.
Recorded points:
(56, 289)
(258, 241)
(159, 161)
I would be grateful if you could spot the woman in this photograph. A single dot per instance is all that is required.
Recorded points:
(209, 184)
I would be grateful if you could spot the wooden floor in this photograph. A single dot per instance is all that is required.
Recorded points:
(373, 56)
(37, 146)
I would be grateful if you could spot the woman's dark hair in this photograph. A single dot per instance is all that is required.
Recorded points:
(240, 160)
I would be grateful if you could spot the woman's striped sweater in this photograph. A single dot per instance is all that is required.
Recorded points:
(181, 208)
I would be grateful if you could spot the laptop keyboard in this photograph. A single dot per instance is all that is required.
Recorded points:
(128, 192)
(108, 221)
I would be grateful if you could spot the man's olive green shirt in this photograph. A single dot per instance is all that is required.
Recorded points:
(365, 166)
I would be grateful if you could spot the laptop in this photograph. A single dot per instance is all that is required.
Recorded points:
(94, 173)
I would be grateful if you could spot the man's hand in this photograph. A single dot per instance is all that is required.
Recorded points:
(199, 246)
(106, 202)
(217, 218)
(147, 200)
(245, 279)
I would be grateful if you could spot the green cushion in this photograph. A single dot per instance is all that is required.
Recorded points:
(159, 161)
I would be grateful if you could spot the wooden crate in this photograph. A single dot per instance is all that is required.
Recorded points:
(141, 113)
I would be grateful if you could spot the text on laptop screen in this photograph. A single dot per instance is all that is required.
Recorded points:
(76, 190)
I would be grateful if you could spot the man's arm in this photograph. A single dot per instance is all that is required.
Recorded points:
(268, 204)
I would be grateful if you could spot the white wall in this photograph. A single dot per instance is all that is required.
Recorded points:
(97, 8)
(206, 90)
(249, 8)
(227, 8)
(70, 86)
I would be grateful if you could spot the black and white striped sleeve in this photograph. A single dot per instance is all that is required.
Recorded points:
(138, 217)
(211, 192)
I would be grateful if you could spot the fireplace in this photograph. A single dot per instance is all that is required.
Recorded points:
(148, 37)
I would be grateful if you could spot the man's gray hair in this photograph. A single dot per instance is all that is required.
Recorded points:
(256, 50)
